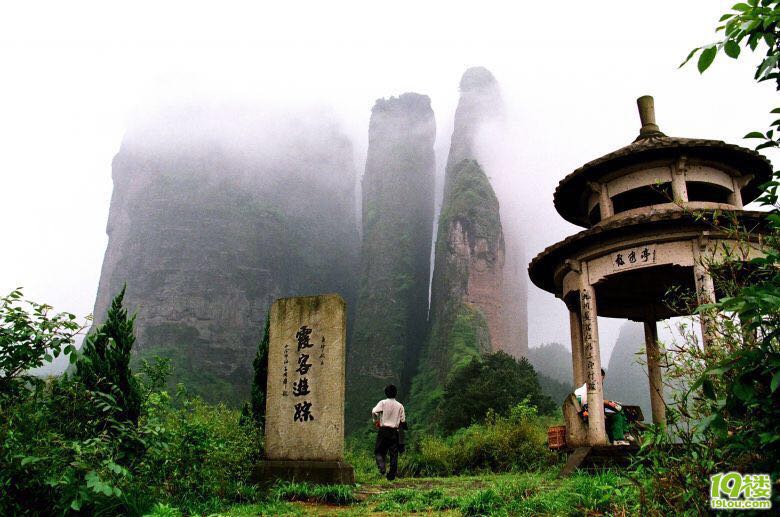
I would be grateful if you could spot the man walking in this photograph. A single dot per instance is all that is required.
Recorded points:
(388, 416)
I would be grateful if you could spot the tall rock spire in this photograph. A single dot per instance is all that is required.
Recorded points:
(477, 292)
(478, 134)
(465, 315)
(480, 103)
(398, 206)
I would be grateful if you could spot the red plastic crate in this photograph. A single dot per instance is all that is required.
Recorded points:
(556, 437)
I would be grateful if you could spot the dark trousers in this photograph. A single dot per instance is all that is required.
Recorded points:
(387, 443)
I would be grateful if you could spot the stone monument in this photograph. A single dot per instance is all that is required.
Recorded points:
(304, 423)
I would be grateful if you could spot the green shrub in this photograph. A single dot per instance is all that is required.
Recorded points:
(30, 335)
(494, 382)
(44, 466)
(195, 456)
(104, 364)
(106, 441)
(511, 443)
(197, 451)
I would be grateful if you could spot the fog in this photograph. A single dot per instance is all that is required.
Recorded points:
(78, 76)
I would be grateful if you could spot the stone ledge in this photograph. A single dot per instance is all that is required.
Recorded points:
(317, 472)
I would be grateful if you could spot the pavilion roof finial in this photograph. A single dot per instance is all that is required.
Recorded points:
(649, 128)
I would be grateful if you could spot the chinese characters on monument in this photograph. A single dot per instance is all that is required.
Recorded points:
(305, 399)
(301, 386)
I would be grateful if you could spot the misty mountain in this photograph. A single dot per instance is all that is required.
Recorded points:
(478, 297)
(217, 211)
(552, 360)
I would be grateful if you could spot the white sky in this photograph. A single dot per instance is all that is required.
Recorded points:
(75, 73)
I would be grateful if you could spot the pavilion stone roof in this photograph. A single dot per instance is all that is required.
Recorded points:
(571, 195)
(542, 268)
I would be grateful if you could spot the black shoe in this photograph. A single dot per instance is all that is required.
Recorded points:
(390, 478)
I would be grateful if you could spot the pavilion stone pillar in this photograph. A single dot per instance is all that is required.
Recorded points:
(597, 434)
(607, 209)
(738, 184)
(578, 366)
(679, 186)
(735, 198)
(705, 291)
(654, 373)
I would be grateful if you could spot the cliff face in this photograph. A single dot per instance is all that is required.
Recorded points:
(481, 106)
(552, 360)
(626, 379)
(398, 205)
(212, 217)
(465, 294)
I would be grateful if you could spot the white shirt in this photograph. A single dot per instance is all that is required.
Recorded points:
(390, 412)
(582, 393)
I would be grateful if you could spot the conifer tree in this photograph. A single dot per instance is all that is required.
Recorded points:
(260, 378)
(104, 365)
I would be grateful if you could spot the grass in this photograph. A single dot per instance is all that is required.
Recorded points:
(407, 500)
(539, 493)
(331, 494)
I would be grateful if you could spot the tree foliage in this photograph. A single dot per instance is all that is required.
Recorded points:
(104, 365)
(104, 441)
(744, 385)
(260, 378)
(749, 24)
(31, 335)
(494, 382)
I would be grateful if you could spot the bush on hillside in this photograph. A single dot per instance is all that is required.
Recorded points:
(517, 442)
(494, 382)
(30, 335)
(64, 442)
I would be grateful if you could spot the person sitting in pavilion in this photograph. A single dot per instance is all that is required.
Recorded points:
(616, 421)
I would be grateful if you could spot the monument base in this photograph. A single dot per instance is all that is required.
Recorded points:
(316, 472)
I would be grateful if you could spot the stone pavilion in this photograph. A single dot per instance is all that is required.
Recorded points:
(646, 210)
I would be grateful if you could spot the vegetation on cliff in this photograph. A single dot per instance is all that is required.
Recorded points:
(458, 330)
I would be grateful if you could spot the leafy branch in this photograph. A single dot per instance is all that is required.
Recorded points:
(748, 25)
